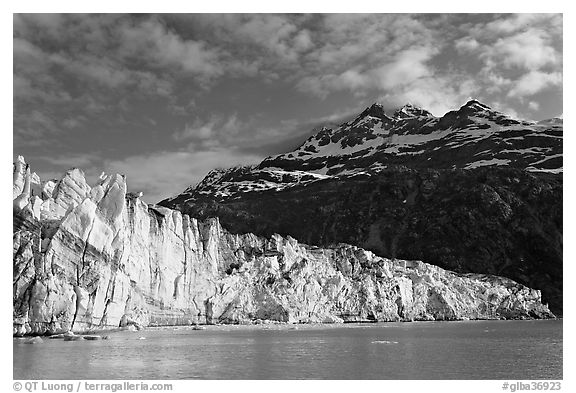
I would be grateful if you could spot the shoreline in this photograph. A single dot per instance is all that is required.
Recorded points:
(264, 325)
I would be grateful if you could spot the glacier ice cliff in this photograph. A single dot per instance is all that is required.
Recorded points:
(98, 257)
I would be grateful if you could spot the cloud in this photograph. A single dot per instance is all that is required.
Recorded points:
(436, 94)
(217, 130)
(267, 40)
(272, 32)
(151, 41)
(529, 50)
(34, 128)
(409, 58)
(494, 82)
(505, 108)
(198, 131)
(318, 53)
(406, 67)
(466, 44)
(167, 173)
(534, 82)
(24, 51)
(110, 50)
(74, 160)
(516, 22)
(347, 38)
(102, 70)
(201, 80)
(73, 122)
(43, 89)
(393, 56)
(518, 55)
(518, 41)
(303, 41)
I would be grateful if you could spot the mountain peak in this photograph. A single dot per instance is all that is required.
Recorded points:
(476, 106)
(375, 110)
(410, 110)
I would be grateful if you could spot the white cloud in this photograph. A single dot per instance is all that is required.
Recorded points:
(408, 66)
(271, 31)
(534, 82)
(529, 50)
(110, 50)
(504, 108)
(73, 122)
(49, 24)
(519, 54)
(406, 76)
(436, 94)
(495, 82)
(252, 43)
(101, 70)
(303, 41)
(466, 44)
(350, 51)
(517, 22)
(215, 128)
(150, 40)
(405, 68)
(190, 131)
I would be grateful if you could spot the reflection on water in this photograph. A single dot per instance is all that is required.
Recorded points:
(419, 350)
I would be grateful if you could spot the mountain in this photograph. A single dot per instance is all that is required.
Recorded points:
(473, 136)
(475, 191)
(97, 257)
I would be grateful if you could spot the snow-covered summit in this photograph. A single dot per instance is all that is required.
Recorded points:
(469, 137)
(375, 110)
(410, 110)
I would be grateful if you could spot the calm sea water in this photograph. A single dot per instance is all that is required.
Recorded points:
(419, 350)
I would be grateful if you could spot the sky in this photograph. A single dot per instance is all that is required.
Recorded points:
(164, 98)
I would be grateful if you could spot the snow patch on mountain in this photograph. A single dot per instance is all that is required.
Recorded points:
(494, 161)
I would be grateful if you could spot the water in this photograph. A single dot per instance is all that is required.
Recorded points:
(420, 350)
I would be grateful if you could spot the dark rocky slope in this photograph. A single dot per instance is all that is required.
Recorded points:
(496, 221)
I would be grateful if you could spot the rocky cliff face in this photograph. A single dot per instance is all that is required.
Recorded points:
(89, 258)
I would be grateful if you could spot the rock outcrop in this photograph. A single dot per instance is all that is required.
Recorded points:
(88, 258)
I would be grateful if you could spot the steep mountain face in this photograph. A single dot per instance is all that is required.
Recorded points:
(472, 191)
(88, 258)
